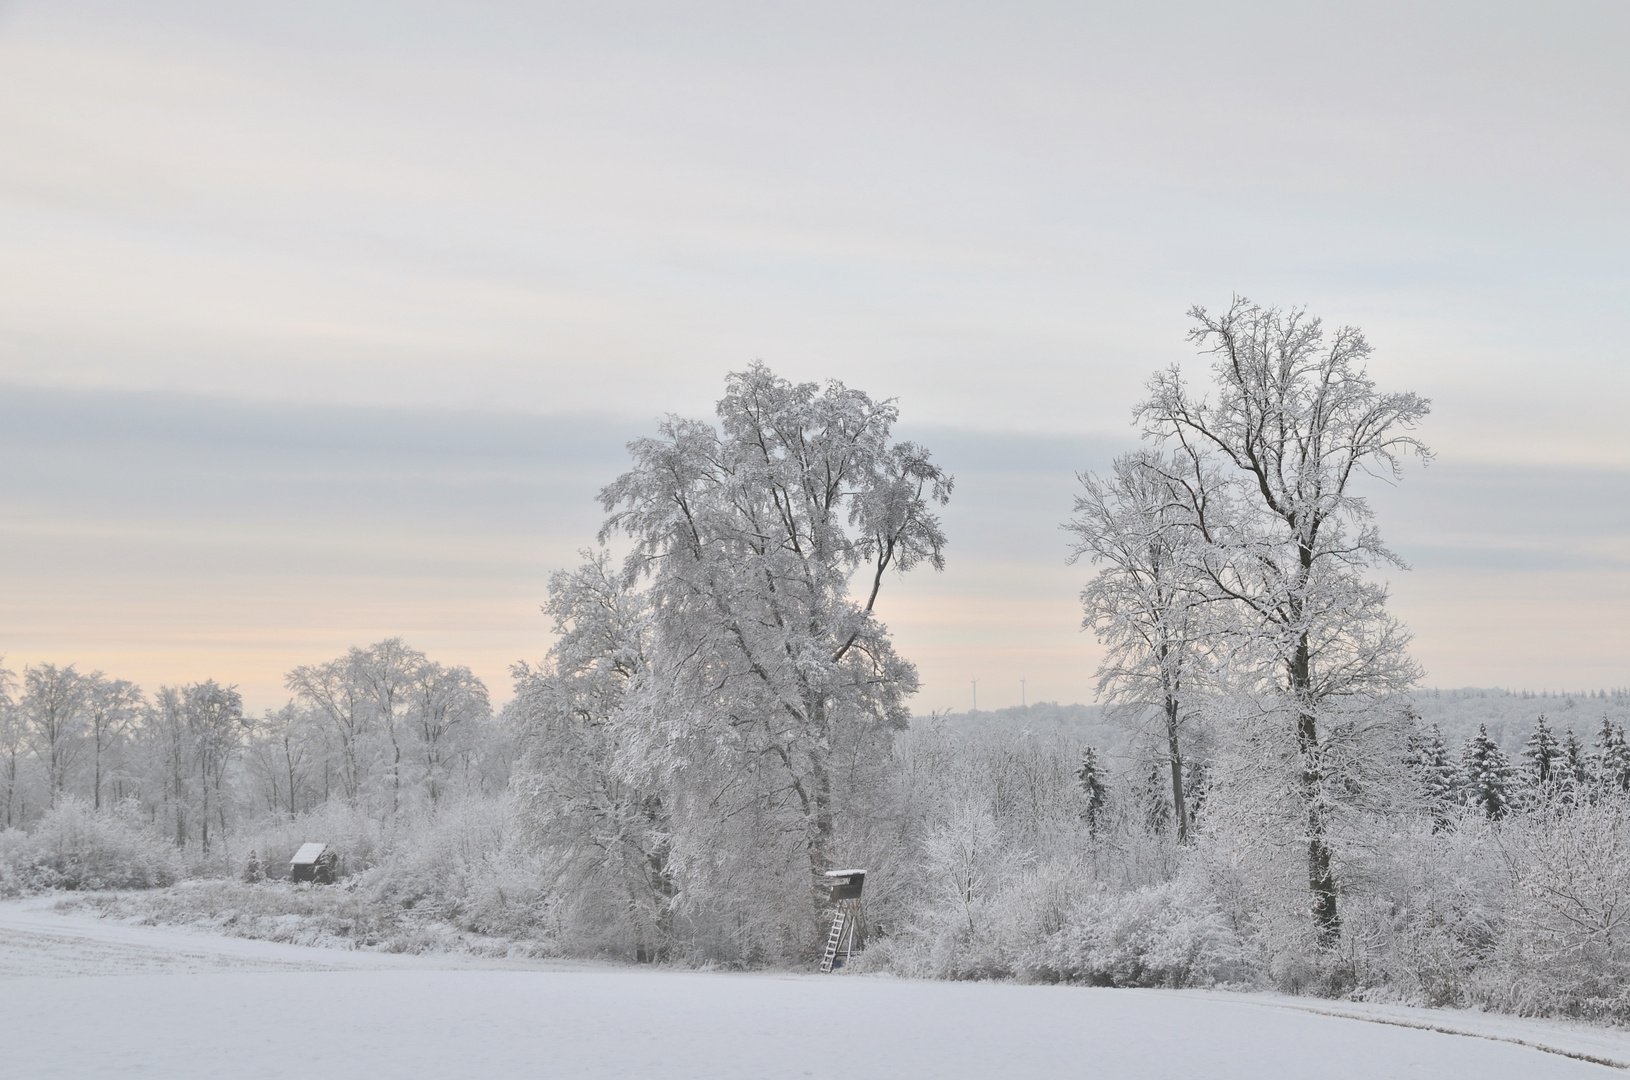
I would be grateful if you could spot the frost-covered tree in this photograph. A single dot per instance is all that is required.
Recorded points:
(1610, 757)
(111, 707)
(1428, 759)
(169, 743)
(216, 724)
(1094, 791)
(1196, 787)
(605, 835)
(340, 696)
(775, 690)
(53, 707)
(1542, 754)
(13, 748)
(1154, 796)
(1488, 775)
(385, 673)
(1574, 764)
(1295, 423)
(1146, 604)
(397, 720)
(446, 708)
(284, 747)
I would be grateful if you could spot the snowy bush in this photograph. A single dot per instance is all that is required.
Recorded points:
(1167, 935)
(954, 933)
(1566, 943)
(73, 847)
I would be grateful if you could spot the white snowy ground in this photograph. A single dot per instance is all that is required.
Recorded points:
(85, 998)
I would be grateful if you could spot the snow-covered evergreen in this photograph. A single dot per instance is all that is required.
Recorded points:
(1094, 791)
(1610, 756)
(1434, 770)
(1542, 755)
(1488, 776)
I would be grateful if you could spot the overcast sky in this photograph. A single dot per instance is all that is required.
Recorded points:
(324, 322)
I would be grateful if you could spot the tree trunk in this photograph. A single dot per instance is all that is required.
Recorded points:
(1179, 804)
(1321, 879)
(203, 817)
(819, 858)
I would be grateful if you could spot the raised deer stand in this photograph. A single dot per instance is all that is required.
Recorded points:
(846, 887)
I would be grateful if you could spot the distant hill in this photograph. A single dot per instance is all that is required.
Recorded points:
(1085, 722)
(1508, 714)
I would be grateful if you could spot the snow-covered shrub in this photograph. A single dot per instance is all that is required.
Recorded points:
(1424, 908)
(451, 866)
(954, 932)
(73, 847)
(1566, 942)
(1165, 935)
(507, 899)
(268, 911)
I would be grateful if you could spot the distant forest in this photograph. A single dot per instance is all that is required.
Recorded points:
(1508, 715)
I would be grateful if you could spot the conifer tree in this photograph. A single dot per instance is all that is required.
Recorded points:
(1428, 757)
(1612, 757)
(1095, 793)
(1194, 787)
(1542, 754)
(1573, 769)
(1488, 775)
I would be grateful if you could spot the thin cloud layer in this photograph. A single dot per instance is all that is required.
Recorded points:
(314, 316)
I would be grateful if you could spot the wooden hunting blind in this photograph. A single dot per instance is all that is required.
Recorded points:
(317, 863)
(846, 886)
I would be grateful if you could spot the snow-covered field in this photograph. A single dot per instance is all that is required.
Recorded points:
(82, 997)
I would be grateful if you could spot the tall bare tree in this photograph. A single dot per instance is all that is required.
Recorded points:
(13, 746)
(170, 738)
(444, 703)
(342, 699)
(111, 706)
(215, 718)
(1148, 604)
(386, 672)
(53, 706)
(1296, 423)
(281, 754)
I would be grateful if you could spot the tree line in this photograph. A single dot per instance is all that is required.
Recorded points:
(382, 727)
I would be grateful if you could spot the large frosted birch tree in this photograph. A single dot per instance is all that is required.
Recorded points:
(767, 541)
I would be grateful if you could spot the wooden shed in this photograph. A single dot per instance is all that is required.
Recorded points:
(314, 862)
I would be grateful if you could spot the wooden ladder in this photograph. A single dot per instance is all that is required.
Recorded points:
(840, 922)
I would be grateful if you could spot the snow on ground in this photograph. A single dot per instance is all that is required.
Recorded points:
(85, 998)
(36, 940)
